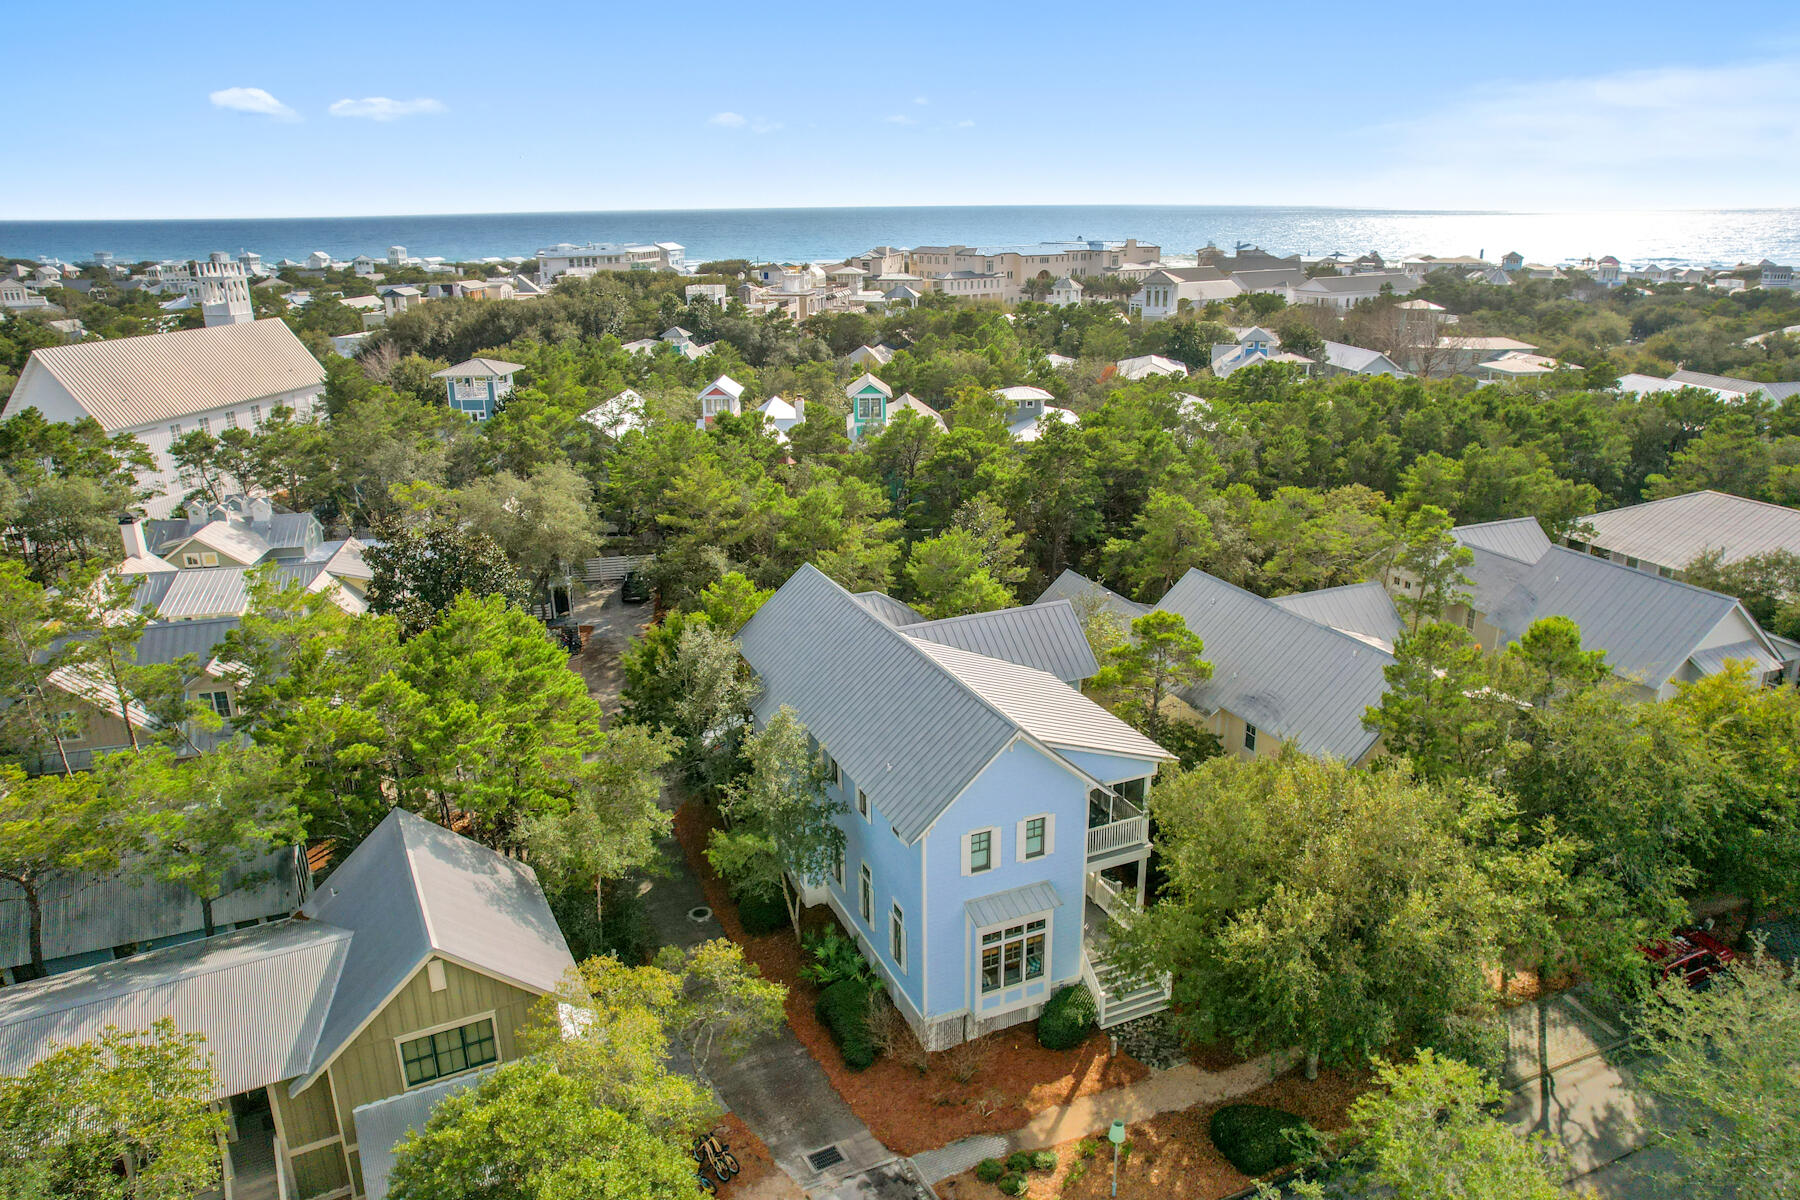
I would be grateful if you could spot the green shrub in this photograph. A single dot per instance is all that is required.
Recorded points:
(1077, 1169)
(1088, 1147)
(834, 957)
(988, 1170)
(843, 1008)
(1044, 1160)
(1257, 1139)
(1018, 1162)
(1012, 1183)
(1066, 1019)
(760, 913)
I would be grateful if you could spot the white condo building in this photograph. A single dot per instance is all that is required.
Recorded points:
(565, 259)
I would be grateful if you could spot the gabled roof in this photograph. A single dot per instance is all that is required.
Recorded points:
(1362, 610)
(865, 381)
(1024, 391)
(890, 610)
(259, 997)
(1256, 333)
(908, 400)
(1516, 537)
(896, 711)
(777, 409)
(1360, 360)
(1676, 530)
(483, 368)
(1047, 636)
(1647, 625)
(1718, 383)
(1071, 587)
(1144, 365)
(1043, 705)
(725, 384)
(131, 381)
(414, 889)
(1285, 674)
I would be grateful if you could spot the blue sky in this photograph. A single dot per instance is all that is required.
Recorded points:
(254, 109)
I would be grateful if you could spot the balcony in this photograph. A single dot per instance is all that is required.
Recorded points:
(1117, 829)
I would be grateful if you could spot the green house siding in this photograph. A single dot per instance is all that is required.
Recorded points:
(318, 1172)
(368, 1069)
(306, 1118)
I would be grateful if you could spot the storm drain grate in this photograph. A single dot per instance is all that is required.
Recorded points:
(830, 1156)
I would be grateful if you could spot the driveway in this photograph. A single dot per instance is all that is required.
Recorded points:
(779, 1091)
(615, 624)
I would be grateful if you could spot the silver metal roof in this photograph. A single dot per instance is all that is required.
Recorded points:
(380, 1126)
(132, 381)
(890, 610)
(1289, 676)
(1521, 538)
(1711, 661)
(413, 888)
(87, 913)
(1647, 625)
(1043, 705)
(1012, 904)
(1360, 609)
(257, 995)
(1047, 636)
(1673, 532)
(910, 731)
(1072, 587)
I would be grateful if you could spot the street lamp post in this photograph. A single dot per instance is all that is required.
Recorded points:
(1116, 1135)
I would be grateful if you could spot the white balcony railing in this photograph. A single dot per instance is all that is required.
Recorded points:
(1118, 835)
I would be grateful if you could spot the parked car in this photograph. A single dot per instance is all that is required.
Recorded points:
(635, 589)
(1693, 954)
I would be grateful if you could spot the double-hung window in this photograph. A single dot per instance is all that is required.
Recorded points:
(448, 1052)
(219, 702)
(865, 894)
(1035, 840)
(1249, 737)
(837, 867)
(1012, 955)
(978, 851)
(897, 936)
(862, 804)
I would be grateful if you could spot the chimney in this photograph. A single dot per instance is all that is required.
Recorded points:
(800, 407)
(261, 511)
(131, 532)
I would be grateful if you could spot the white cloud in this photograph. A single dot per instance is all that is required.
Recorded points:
(252, 100)
(921, 100)
(380, 108)
(900, 119)
(1639, 138)
(731, 120)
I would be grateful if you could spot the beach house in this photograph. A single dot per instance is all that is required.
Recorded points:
(993, 816)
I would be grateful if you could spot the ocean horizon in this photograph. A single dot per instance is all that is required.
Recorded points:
(1697, 237)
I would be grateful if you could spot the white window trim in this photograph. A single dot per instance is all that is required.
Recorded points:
(865, 808)
(838, 867)
(968, 847)
(897, 922)
(415, 1035)
(1049, 820)
(1048, 917)
(865, 890)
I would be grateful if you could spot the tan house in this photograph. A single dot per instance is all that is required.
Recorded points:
(410, 970)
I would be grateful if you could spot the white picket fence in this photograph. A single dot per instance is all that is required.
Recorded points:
(615, 567)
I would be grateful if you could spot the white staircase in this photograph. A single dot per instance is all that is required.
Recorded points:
(1120, 996)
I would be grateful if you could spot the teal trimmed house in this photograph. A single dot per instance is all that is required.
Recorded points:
(478, 387)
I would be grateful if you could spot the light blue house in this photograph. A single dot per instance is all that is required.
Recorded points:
(479, 386)
(994, 815)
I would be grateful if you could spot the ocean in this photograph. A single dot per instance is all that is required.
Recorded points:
(1712, 237)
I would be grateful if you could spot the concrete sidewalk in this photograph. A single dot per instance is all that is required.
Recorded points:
(1162, 1091)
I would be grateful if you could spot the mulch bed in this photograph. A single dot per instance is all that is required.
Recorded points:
(1172, 1155)
(754, 1157)
(907, 1109)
